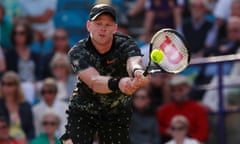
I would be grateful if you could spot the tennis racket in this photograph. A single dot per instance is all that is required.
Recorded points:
(174, 56)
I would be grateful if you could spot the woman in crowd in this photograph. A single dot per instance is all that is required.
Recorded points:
(61, 70)
(60, 45)
(143, 128)
(20, 59)
(178, 130)
(15, 108)
(50, 123)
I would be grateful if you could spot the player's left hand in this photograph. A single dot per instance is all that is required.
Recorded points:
(139, 79)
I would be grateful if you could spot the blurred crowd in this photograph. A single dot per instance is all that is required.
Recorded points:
(37, 78)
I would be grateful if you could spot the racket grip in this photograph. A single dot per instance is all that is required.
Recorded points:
(145, 73)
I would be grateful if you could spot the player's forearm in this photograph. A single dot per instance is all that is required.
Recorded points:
(134, 63)
(99, 84)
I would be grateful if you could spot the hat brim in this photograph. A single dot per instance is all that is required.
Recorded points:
(103, 12)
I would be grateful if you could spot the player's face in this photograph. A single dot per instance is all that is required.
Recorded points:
(102, 29)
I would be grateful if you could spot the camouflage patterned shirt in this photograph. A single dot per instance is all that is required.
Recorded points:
(113, 63)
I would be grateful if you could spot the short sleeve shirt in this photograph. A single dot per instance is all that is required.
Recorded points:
(113, 63)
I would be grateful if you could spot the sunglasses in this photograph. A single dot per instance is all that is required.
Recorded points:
(141, 97)
(3, 127)
(49, 123)
(9, 84)
(177, 128)
(60, 38)
(48, 92)
(19, 32)
(59, 66)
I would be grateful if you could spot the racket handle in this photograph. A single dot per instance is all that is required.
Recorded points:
(145, 73)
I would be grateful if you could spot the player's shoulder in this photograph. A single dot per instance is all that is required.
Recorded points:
(79, 46)
(122, 37)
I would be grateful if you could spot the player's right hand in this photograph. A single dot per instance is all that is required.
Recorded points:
(126, 85)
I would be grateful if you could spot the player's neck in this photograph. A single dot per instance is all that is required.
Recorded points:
(102, 48)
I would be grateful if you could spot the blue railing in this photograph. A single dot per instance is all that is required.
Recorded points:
(218, 60)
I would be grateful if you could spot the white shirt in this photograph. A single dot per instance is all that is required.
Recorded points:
(223, 9)
(59, 107)
(37, 8)
(186, 141)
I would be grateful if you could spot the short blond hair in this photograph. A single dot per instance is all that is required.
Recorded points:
(181, 120)
(63, 58)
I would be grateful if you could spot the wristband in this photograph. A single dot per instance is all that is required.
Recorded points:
(135, 69)
(113, 83)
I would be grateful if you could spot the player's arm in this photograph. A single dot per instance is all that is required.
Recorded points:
(104, 84)
(135, 69)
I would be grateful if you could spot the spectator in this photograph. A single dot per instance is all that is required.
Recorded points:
(66, 81)
(15, 108)
(12, 9)
(144, 124)
(179, 130)
(20, 59)
(60, 45)
(2, 62)
(49, 101)
(198, 31)
(182, 105)
(230, 45)
(160, 14)
(40, 14)
(5, 29)
(50, 123)
(159, 89)
(4, 132)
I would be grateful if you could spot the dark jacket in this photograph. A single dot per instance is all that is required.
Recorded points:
(12, 59)
(26, 117)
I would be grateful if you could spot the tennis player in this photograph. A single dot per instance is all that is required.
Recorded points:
(109, 69)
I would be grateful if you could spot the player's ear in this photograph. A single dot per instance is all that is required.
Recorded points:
(88, 25)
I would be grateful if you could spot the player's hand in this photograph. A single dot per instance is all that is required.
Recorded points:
(126, 85)
(139, 79)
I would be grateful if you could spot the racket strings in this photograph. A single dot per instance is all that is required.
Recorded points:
(178, 49)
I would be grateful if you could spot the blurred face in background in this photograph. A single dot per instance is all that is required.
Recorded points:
(233, 29)
(180, 92)
(49, 94)
(178, 131)
(61, 43)
(20, 35)
(9, 87)
(50, 124)
(197, 9)
(141, 99)
(235, 9)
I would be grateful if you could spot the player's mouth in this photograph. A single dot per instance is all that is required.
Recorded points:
(102, 35)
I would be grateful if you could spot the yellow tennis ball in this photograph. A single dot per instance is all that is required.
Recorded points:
(157, 55)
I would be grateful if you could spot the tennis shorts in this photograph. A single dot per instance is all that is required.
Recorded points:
(111, 128)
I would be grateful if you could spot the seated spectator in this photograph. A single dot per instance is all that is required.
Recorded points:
(4, 132)
(60, 45)
(5, 29)
(62, 72)
(160, 14)
(198, 31)
(143, 127)
(49, 123)
(15, 108)
(227, 46)
(179, 130)
(2, 62)
(20, 59)
(182, 105)
(48, 101)
(40, 15)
